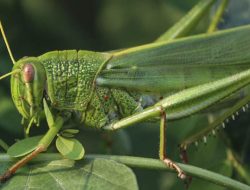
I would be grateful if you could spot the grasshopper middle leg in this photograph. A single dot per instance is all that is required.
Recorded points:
(153, 112)
(162, 149)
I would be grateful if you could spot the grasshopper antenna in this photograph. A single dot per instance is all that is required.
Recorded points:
(10, 73)
(10, 53)
(6, 43)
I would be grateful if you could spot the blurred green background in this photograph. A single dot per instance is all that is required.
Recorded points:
(34, 27)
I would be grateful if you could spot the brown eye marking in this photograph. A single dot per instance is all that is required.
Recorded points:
(28, 73)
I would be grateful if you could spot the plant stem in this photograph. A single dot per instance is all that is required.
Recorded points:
(217, 17)
(150, 163)
(188, 22)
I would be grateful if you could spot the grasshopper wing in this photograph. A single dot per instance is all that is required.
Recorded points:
(172, 66)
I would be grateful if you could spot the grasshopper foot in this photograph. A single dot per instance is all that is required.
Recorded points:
(174, 166)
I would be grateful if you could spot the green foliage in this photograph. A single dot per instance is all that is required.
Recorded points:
(3, 145)
(98, 174)
(70, 148)
(23, 147)
(68, 133)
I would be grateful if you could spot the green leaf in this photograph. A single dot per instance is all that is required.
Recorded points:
(98, 174)
(24, 146)
(72, 131)
(48, 114)
(69, 133)
(70, 148)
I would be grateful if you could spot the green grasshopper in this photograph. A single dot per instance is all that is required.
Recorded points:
(107, 90)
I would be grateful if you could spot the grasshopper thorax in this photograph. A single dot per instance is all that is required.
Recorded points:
(27, 87)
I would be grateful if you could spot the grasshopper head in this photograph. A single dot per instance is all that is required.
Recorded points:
(27, 83)
(27, 86)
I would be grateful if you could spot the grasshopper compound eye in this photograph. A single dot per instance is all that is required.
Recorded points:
(28, 73)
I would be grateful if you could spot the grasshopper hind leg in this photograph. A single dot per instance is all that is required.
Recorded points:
(217, 124)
